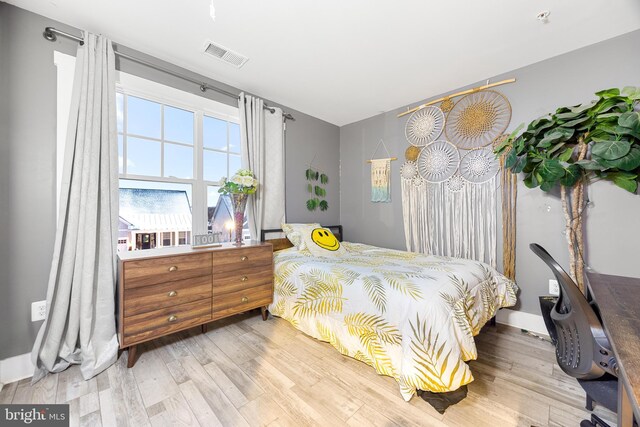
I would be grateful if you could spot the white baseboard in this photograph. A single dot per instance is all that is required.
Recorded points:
(522, 320)
(15, 368)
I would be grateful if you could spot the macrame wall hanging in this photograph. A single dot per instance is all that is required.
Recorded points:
(381, 176)
(449, 181)
(509, 194)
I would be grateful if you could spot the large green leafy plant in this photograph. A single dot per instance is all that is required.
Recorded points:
(599, 140)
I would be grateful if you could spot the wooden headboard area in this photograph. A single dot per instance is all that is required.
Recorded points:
(280, 243)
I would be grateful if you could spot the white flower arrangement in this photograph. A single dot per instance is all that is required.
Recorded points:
(242, 182)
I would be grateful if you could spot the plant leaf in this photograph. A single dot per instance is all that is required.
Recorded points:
(551, 170)
(571, 176)
(626, 163)
(312, 204)
(630, 119)
(611, 150)
(566, 155)
(590, 165)
(608, 93)
(631, 185)
(631, 92)
(324, 205)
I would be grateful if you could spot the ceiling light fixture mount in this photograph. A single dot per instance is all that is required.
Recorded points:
(543, 16)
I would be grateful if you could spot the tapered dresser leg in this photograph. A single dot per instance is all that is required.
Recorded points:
(265, 313)
(204, 328)
(133, 354)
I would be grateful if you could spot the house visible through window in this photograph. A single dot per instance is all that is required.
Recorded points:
(173, 147)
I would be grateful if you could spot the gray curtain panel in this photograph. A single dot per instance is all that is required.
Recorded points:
(262, 139)
(80, 324)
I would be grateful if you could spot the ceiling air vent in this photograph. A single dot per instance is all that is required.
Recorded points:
(226, 55)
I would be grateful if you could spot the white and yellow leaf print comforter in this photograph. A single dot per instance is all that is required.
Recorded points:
(410, 316)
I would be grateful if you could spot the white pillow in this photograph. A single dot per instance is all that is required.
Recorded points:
(295, 232)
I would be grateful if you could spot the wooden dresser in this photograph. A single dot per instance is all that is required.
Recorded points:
(161, 291)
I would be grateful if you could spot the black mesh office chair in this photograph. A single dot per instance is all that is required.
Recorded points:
(582, 349)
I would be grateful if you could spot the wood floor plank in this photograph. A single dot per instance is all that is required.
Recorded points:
(92, 419)
(261, 411)
(153, 378)
(126, 400)
(107, 411)
(199, 406)
(223, 408)
(327, 395)
(231, 370)
(89, 403)
(367, 416)
(7, 392)
(44, 391)
(176, 413)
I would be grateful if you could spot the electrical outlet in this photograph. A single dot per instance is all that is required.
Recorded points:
(38, 310)
(554, 289)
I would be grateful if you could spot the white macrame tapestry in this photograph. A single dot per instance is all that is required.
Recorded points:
(451, 218)
(380, 180)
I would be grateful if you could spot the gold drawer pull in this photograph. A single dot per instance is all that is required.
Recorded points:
(172, 294)
(172, 318)
(245, 299)
(244, 258)
(244, 278)
(173, 268)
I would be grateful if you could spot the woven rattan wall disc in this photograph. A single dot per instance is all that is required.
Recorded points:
(412, 153)
(424, 126)
(438, 161)
(447, 105)
(477, 119)
(480, 165)
(409, 170)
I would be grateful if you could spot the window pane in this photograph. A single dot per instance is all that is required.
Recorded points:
(178, 161)
(214, 165)
(214, 133)
(143, 117)
(178, 125)
(234, 138)
(234, 163)
(153, 214)
(120, 110)
(143, 157)
(120, 154)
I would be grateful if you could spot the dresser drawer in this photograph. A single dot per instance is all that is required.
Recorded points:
(152, 271)
(153, 324)
(154, 297)
(243, 278)
(238, 302)
(231, 261)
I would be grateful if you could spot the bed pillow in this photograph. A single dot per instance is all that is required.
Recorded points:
(322, 242)
(295, 232)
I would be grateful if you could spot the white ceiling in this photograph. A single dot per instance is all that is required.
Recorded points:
(346, 60)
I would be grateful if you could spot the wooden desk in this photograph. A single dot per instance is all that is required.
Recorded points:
(618, 299)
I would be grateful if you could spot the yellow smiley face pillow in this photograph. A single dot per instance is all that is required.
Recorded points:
(322, 242)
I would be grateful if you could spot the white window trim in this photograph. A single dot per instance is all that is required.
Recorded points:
(153, 91)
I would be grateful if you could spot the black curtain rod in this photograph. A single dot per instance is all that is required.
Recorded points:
(51, 34)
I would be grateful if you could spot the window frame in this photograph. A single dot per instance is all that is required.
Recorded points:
(130, 85)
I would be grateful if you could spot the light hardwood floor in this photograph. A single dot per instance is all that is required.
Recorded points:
(248, 372)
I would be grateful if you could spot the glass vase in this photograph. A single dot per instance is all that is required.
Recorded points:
(239, 202)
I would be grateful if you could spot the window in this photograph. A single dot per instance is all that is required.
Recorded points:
(173, 147)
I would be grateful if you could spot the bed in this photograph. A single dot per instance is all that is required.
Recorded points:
(410, 316)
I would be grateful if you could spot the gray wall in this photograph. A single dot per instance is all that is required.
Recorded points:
(613, 221)
(28, 170)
